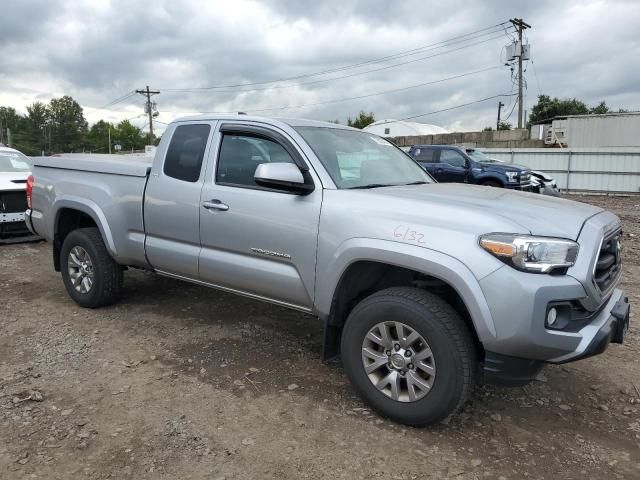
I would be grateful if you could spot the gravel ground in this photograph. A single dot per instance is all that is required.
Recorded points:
(179, 381)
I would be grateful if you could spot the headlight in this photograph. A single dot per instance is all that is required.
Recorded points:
(512, 176)
(531, 254)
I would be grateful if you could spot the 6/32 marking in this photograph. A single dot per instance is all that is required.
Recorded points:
(408, 234)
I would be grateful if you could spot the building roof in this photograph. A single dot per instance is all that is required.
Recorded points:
(414, 127)
(586, 115)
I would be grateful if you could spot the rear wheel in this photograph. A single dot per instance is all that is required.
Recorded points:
(409, 355)
(92, 278)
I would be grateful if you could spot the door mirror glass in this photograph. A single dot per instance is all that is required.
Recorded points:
(285, 177)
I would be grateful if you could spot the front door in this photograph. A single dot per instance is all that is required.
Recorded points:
(172, 200)
(452, 167)
(254, 240)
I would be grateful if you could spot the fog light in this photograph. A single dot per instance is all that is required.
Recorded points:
(552, 316)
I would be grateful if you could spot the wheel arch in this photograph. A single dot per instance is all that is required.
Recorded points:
(366, 266)
(490, 179)
(71, 214)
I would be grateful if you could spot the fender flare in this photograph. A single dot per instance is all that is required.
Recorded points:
(490, 178)
(90, 208)
(424, 260)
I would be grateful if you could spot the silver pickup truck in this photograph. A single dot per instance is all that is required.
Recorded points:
(423, 288)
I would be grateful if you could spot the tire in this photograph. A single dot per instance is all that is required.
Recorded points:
(492, 183)
(105, 274)
(447, 337)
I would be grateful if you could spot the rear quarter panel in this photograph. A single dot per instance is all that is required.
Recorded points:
(113, 201)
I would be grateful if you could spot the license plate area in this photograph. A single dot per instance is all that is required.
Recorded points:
(11, 217)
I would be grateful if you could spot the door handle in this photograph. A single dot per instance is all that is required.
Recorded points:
(215, 205)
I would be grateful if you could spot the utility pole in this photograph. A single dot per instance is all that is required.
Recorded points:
(148, 93)
(109, 140)
(520, 27)
(500, 105)
(9, 138)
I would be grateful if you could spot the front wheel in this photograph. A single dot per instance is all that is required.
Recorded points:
(492, 183)
(409, 355)
(92, 278)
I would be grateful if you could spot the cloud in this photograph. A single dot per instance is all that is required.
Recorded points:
(97, 51)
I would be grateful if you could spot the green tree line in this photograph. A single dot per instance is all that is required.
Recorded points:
(60, 127)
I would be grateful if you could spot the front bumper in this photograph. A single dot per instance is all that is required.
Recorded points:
(609, 326)
(587, 319)
(521, 187)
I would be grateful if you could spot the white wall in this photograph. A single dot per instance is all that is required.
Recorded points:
(612, 170)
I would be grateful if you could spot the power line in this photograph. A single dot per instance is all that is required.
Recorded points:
(449, 108)
(414, 51)
(346, 99)
(117, 100)
(340, 77)
(501, 27)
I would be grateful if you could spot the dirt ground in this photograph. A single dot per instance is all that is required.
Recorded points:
(179, 381)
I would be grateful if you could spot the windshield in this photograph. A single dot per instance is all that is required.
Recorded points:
(14, 162)
(478, 156)
(362, 160)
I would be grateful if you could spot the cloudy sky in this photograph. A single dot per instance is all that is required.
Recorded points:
(99, 51)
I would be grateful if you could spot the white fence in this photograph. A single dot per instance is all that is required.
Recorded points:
(597, 170)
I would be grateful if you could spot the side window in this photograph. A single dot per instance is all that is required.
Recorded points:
(240, 155)
(452, 158)
(425, 155)
(186, 151)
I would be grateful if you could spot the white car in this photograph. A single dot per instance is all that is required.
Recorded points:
(15, 168)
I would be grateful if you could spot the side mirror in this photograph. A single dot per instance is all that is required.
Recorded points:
(285, 177)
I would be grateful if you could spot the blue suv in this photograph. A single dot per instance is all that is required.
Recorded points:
(453, 164)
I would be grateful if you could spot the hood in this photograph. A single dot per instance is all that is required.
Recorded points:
(503, 167)
(13, 180)
(487, 209)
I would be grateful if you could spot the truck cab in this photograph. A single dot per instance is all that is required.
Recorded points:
(449, 164)
(423, 288)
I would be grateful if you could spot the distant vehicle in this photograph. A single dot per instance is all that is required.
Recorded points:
(540, 181)
(447, 163)
(14, 170)
(423, 288)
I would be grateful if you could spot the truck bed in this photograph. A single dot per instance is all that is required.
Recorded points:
(130, 165)
(108, 188)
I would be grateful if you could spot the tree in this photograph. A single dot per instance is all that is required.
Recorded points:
(67, 123)
(600, 109)
(362, 120)
(128, 135)
(98, 137)
(504, 126)
(548, 107)
(37, 127)
(487, 129)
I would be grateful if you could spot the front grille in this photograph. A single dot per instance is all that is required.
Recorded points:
(525, 177)
(13, 202)
(608, 265)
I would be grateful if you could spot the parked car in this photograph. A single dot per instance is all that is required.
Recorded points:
(447, 163)
(540, 181)
(417, 292)
(14, 170)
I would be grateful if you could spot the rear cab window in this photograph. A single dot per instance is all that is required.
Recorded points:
(186, 152)
(425, 155)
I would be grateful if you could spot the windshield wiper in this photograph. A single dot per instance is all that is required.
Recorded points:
(370, 185)
(419, 182)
